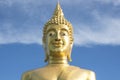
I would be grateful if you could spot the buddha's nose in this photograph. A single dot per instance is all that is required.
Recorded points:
(58, 37)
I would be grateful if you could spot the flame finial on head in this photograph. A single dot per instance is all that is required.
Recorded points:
(58, 17)
(58, 11)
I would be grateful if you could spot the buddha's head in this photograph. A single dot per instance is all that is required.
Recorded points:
(58, 36)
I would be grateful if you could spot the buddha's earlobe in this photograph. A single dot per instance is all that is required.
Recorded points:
(46, 53)
(69, 54)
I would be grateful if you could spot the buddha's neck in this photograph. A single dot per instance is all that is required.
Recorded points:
(62, 60)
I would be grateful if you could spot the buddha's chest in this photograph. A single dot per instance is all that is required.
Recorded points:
(62, 76)
(45, 76)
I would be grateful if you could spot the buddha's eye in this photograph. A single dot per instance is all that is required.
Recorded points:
(63, 33)
(51, 33)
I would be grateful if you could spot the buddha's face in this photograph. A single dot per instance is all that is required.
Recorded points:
(58, 40)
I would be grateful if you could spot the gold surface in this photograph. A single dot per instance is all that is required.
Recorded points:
(57, 42)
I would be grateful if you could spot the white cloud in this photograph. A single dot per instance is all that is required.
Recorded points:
(26, 38)
(41, 2)
(26, 2)
(90, 2)
(114, 2)
(8, 34)
(85, 36)
(107, 35)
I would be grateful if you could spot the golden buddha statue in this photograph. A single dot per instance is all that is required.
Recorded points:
(57, 42)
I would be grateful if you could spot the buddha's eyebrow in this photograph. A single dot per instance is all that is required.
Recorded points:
(63, 29)
(52, 29)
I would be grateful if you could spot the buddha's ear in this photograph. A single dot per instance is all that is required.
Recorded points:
(69, 54)
(71, 42)
(44, 46)
(46, 52)
(70, 49)
(46, 57)
(43, 42)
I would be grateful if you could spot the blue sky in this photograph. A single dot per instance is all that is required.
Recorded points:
(96, 32)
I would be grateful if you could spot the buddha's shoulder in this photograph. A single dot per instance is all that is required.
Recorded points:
(30, 72)
(34, 71)
(79, 70)
(77, 73)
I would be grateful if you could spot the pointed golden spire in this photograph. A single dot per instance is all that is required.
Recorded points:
(58, 17)
(58, 11)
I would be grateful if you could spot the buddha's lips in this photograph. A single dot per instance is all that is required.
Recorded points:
(57, 43)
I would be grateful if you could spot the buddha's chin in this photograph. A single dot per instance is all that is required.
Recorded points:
(57, 49)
